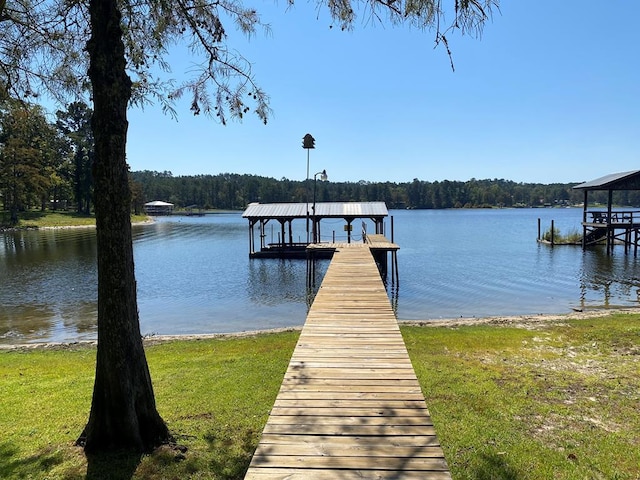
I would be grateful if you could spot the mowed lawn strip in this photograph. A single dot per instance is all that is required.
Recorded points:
(215, 395)
(538, 400)
(60, 219)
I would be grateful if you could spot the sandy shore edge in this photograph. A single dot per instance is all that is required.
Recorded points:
(519, 321)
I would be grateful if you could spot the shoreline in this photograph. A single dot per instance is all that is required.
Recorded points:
(526, 320)
(64, 227)
(530, 321)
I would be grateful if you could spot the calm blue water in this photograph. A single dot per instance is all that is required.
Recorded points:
(465, 263)
(194, 274)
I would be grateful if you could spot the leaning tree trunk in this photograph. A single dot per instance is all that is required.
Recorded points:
(123, 411)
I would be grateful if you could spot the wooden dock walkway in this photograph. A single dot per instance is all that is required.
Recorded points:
(350, 405)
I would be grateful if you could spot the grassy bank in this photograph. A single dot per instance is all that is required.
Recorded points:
(214, 394)
(534, 401)
(557, 400)
(37, 219)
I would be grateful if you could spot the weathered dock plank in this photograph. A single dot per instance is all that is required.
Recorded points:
(350, 405)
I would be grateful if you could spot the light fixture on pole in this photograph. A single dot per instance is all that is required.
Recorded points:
(323, 177)
(308, 142)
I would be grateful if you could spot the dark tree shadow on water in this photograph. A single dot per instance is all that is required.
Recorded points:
(112, 466)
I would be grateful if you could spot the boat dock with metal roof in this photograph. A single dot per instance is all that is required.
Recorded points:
(611, 226)
(318, 246)
(260, 214)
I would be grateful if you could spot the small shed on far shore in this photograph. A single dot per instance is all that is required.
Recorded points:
(158, 207)
(623, 226)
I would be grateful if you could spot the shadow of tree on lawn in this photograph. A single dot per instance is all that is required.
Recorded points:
(233, 456)
(112, 466)
(11, 466)
(494, 467)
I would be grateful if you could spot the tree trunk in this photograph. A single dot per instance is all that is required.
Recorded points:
(123, 411)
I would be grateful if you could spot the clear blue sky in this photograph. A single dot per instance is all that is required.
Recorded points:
(549, 93)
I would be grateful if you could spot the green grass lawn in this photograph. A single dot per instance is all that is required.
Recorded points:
(551, 400)
(544, 401)
(48, 219)
(215, 395)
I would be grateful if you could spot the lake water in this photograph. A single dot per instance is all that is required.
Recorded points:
(194, 274)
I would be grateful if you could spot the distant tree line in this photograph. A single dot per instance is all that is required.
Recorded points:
(47, 165)
(234, 191)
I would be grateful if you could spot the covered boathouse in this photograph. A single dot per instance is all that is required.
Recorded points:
(286, 245)
(158, 207)
(619, 226)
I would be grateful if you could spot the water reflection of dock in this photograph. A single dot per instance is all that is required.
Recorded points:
(350, 405)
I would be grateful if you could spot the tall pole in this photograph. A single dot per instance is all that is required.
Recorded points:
(313, 220)
(307, 188)
(323, 177)
(308, 142)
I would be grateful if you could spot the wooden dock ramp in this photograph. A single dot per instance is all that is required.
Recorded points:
(350, 406)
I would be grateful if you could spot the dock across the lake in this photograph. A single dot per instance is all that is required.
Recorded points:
(350, 405)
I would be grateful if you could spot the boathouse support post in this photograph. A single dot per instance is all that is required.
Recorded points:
(395, 261)
(394, 254)
(348, 228)
(380, 257)
(311, 274)
(610, 229)
(394, 266)
(281, 239)
(627, 240)
(585, 203)
(251, 240)
(263, 234)
(315, 228)
(291, 231)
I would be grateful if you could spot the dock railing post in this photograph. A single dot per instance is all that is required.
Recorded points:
(394, 263)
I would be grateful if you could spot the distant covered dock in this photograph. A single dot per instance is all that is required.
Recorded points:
(158, 207)
(622, 226)
(260, 214)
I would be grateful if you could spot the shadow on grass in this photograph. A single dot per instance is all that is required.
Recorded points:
(231, 455)
(112, 466)
(30, 467)
(494, 467)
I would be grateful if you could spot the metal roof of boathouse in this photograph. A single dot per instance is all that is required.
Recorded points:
(613, 181)
(323, 209)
